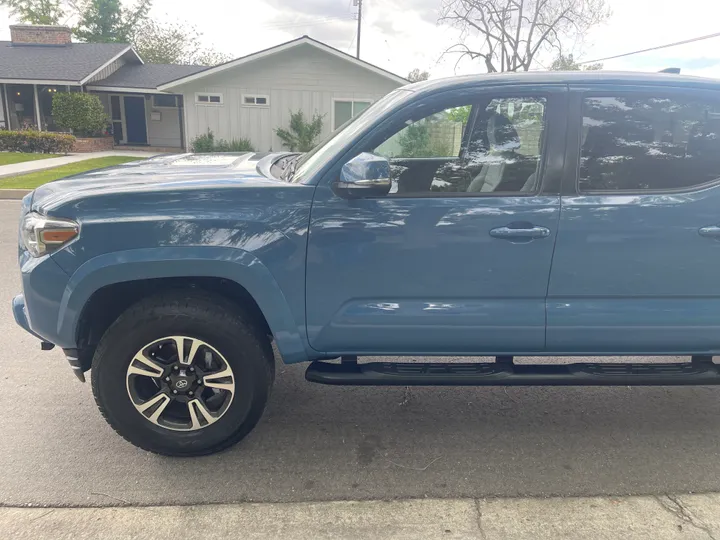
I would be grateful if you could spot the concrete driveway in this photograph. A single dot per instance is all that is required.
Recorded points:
(326, 443)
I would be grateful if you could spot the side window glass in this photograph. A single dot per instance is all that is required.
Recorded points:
(647, 143)
(438, 135)
(493, 146)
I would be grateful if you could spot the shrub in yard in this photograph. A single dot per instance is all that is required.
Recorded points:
(207, 143)
(203, 143)
(31, 140)
(82, 114)
(235, 145)
(301, 134)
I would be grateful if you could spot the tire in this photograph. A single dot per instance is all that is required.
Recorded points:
(190, 316)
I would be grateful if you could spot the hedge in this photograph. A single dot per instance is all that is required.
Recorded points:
(44, 142)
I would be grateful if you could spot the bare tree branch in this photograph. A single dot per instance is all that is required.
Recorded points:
(512, 33)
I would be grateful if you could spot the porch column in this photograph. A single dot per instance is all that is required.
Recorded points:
(37, 107)
(7, 107)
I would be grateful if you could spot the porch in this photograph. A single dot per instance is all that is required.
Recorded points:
(29, 106)
(139, 120)
(145, 120)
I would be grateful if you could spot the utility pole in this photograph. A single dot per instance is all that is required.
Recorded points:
(358, 3)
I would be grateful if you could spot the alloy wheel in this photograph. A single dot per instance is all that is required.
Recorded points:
(180, 383)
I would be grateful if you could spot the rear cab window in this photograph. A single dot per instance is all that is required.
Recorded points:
(649, 141)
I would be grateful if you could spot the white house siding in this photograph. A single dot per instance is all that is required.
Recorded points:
(166, 131)
(303, 78)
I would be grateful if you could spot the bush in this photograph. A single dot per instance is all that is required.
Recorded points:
(80, 113)
(235, 145)
(207, 143)
(31, 140)
(301, 135)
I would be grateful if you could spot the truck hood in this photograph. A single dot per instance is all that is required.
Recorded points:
(167, 172)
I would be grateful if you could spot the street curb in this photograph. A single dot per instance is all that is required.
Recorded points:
(661, 517)
(13, 194)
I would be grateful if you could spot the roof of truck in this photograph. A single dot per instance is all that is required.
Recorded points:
(568, 77)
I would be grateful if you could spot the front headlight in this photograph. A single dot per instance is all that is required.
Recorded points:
(42, 234)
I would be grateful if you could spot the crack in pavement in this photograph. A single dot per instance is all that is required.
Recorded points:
(680, 511)
(479, 519)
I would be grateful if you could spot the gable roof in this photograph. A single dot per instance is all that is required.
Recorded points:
(145, 77)
(304, 40)
(66, 64)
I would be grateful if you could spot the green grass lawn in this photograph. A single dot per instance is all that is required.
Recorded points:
(8, 158)
(35, 179)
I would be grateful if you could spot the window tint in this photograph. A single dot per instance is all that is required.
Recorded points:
(501, 152)
(642, 143)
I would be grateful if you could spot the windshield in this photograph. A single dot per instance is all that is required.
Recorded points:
(314, 160)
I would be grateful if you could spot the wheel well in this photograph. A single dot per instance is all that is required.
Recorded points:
(106, 305)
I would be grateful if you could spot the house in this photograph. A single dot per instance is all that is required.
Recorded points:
(167, 106)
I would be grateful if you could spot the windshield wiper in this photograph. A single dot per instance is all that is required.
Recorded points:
(289, 169)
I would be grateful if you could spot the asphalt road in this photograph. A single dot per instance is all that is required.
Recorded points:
(325, 443)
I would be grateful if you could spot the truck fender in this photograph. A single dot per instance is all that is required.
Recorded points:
(232, 264)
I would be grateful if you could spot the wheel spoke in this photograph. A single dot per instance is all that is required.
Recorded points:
(185, 355)
(147, 367)
(195, 406)
(162, 399)
(213, 380)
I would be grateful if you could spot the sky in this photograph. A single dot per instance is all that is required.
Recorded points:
(399, 35)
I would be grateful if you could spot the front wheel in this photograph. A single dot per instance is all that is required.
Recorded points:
(182, 374)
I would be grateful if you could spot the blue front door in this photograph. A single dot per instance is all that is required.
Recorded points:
(635, 262)
(135, 120)
(456, 259)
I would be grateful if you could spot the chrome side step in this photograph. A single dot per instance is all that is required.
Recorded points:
(701, 371)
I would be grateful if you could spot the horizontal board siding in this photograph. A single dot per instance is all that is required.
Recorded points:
(303, 78)
(107, 70)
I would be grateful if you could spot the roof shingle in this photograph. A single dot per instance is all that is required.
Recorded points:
(146, 75)
(70, 63)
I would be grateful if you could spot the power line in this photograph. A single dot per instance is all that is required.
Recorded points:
(692, 40)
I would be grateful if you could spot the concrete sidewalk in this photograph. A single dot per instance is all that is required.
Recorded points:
(687, 517)
(15, 169)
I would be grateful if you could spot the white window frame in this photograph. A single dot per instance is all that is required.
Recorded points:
(346, 100)
(209, 95)
(255, 96)
(164, 106)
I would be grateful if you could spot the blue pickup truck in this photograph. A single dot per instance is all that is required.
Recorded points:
(515, 214)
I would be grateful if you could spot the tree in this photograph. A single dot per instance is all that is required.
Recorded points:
(568, 63)
(173, 43)
(301, 135)
(416, 75)
(35, 11)
(107, 21)
(512, 33)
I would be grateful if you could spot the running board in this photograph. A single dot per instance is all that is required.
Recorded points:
(509, 374)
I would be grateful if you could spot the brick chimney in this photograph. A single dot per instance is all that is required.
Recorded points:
(39, 34)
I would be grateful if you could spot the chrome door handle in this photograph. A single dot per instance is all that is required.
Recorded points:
(513, 233)
(713, 231)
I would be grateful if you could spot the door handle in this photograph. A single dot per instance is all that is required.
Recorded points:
(713, 231)
(518, 233)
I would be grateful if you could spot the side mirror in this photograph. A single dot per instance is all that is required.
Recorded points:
(365, 175)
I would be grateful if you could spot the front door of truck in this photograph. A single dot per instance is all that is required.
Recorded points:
(456, 258)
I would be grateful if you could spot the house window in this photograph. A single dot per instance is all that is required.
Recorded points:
(208, 99)
(259, 101)
(345, 109)
(160, 100)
